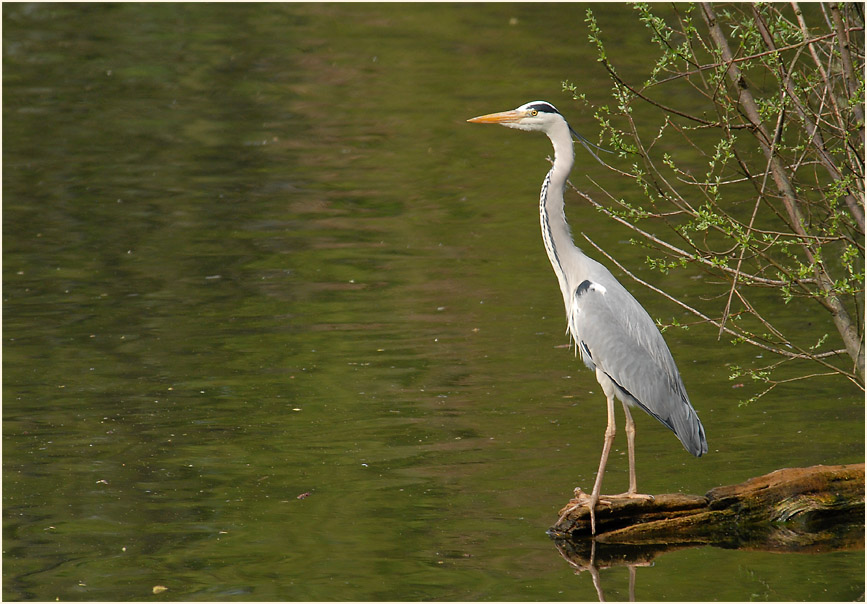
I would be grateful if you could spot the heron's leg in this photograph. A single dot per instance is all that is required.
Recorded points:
(630, 445)
(583, 499)
(606, 448)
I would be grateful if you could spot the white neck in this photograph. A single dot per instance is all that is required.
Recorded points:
(555, 230)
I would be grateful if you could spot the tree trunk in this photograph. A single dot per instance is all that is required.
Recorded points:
(820, 508)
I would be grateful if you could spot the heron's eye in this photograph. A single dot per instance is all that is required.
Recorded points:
(533, 113)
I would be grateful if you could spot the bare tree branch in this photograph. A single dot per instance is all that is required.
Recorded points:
(782, 202)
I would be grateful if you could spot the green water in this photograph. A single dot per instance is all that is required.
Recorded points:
(253, 252)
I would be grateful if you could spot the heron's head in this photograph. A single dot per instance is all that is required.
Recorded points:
(539, 116)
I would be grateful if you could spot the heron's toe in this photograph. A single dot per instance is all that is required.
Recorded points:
(642, 496)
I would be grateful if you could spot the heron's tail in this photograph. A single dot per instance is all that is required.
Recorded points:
(684, 423)
(688, 429)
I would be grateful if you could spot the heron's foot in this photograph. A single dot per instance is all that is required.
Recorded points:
(581, 499)
(590, 501)
(585, 498)
(631, 495)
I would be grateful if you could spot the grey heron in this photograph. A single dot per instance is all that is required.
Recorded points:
(614, 335)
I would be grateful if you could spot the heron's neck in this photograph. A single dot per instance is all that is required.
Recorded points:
(556, 235)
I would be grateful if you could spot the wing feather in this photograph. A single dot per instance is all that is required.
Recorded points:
(614, 330)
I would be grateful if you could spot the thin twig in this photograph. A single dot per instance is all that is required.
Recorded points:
(759, 55)
(740, 336)
(683, 253)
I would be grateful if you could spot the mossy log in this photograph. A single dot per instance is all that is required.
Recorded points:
(820, 508)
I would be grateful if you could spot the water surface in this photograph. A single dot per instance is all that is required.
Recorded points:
(278, 323)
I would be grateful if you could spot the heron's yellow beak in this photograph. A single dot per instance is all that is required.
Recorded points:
(504, 117)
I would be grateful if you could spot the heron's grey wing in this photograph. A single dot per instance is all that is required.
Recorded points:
(618, 335)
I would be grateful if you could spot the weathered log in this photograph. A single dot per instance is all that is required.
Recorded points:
(820, 508)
